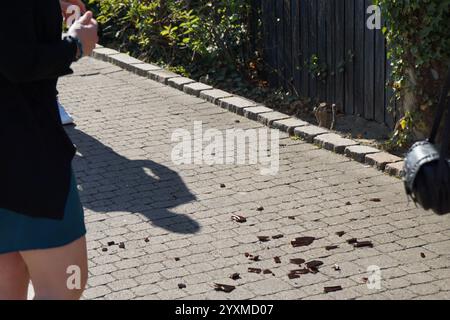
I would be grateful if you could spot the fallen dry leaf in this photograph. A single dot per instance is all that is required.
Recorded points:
(224, 287)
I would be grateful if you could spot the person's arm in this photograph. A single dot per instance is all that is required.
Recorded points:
(22, 57)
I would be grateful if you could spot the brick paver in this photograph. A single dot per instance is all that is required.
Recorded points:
(175, 221)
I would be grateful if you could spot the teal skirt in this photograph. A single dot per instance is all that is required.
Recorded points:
(21, 233)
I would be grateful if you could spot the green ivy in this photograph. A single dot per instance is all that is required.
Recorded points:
(418, 36)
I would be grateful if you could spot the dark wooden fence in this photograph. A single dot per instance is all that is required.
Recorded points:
(322, 49)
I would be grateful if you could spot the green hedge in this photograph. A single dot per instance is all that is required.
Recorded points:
(418, 34)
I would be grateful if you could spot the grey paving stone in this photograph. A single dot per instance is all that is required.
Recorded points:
(334, 142)
(195, 88)
(289, 125)
(381, 159)
(142, 69)
(162, 76)
(309, 132)
(359, 153)
(269, 118)
(214, 95)
(253, 112)
(179, 83)
(395, 169)
(236, 104)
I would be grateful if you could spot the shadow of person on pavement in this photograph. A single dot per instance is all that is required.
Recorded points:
(113, 183)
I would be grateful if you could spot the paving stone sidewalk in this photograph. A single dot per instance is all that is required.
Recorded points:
(175, 220)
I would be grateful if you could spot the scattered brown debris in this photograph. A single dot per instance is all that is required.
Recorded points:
(260, 208)
(348, 203)
(181, 286)
(111, 243)
(328, 248)
(422, 255)
(235, 276)
(352, 241)
(238, 218)
(365, 280)
(375, 200)
(302, 241)
(104, 249)
(177, 259)
(293, 276)
(147, 240)
(267, 271)
(254, 270)
(363, 244)
(340, 233)
(314, 264)
(222, 185)
(336, 267)
(332, 289)
(224, 287)
(277, 259)
(263, 238)
(297, 261)
(291, 218)
(300, 271)
(122, 245)
(278, 236)
(247, 254)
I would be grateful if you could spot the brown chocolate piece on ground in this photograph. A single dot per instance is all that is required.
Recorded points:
(224, 287)
(332, 289)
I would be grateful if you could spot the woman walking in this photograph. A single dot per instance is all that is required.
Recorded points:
(42, 231)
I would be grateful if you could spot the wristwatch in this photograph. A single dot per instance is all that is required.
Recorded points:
(80, 52)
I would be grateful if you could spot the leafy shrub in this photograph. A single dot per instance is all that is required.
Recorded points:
(418, 34)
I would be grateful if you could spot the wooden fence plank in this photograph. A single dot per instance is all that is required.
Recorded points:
(313, 46)
(279, 7)
(304, 46)
(322, 47)
(296, 43)
(380, 77)
(369, 68)
(349, 52)
(340, 54)
(287, 48)
(360, 26)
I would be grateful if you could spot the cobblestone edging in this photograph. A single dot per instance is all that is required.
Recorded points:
(326, 139)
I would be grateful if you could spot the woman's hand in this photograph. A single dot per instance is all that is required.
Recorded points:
(86, 30)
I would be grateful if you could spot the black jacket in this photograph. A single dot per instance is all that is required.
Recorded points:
(35, 151)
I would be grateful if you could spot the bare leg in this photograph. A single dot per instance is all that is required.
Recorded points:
(59, 273)
(14, 277)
